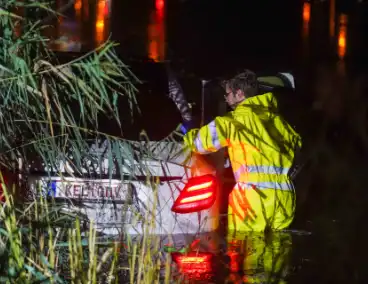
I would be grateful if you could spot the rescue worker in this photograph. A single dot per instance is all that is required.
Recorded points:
(261, 147)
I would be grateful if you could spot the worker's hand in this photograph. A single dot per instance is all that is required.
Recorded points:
(186, 126)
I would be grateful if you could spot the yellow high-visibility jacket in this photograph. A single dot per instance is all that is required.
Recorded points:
(261, 145)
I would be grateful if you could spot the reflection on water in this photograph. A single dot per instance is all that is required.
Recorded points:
(88, 24)
(313, 13)
(341, 43)
(101, 25)
(305, 31)
(72, 30)
(78, 8)
(306, 12)
(156, 32)
(248, 258)
(256, 258)
(306, 19)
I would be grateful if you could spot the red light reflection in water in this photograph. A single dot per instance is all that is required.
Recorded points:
(194, 265)
(156, 32)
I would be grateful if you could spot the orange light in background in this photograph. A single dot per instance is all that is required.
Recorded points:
(156, 33)
(341, 42)
(306, 19)
(100, 25)
(78, 7)
(306, 11)
(100, 21)
(342, 39)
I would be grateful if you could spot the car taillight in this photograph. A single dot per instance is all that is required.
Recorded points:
(198, 194)
(193, 262)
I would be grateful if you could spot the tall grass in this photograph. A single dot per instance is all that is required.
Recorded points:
(47, 110)
(40, 243)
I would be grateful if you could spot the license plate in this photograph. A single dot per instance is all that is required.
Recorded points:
(92, 190)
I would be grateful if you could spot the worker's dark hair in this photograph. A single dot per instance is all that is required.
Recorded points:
(245, 81)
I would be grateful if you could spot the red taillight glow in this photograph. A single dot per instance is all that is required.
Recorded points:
(197, 197)
(200, 186)
(199, 194)
(160, 4)
(193, 262)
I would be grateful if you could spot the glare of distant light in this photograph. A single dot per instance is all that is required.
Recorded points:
(78, 5)
(100, 24)
(306, 12)
(100, 21)
(306, 19)
(153, 51)
(78, 8)
(341, 42)
(160, 4)
(156, 33)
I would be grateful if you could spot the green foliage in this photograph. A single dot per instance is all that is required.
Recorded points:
(48, 109)
(47, 112)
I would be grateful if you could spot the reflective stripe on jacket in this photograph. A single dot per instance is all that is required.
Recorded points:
(260, 143)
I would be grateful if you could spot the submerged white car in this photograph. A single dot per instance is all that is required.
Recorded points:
(166, 190)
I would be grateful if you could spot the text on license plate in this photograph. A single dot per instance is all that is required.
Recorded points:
(89, 190)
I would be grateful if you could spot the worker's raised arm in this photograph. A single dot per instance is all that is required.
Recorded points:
(210, 138)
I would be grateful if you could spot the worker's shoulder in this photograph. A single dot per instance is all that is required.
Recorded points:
(235, 116)
(241, 110)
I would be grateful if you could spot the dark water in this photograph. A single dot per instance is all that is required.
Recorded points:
(211, 36)
(323, 43)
